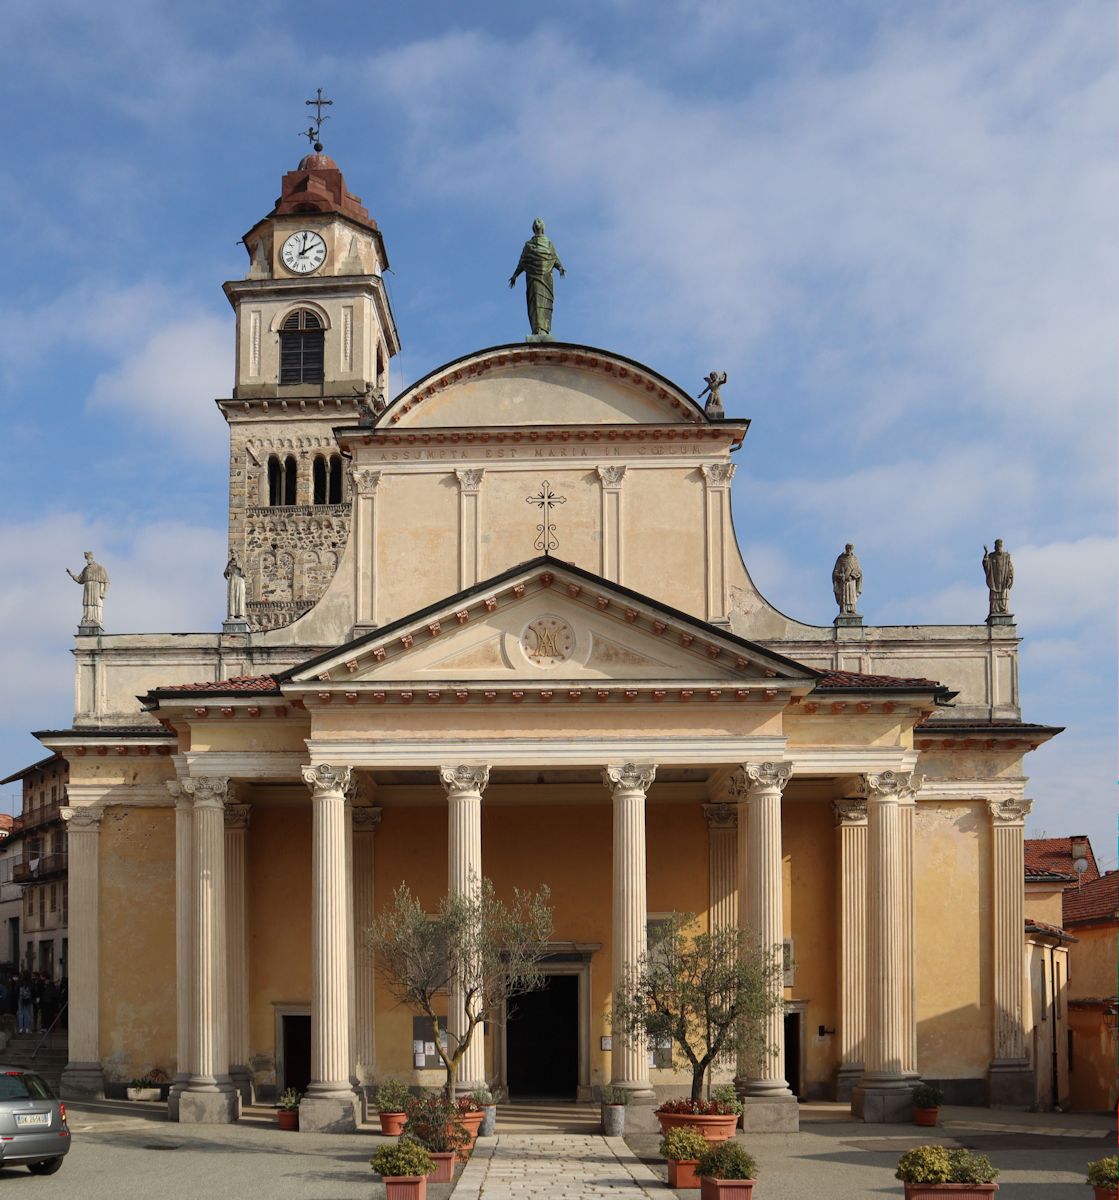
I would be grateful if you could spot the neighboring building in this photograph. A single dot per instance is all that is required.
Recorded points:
(11, 893)
(504, 625)
(41, 868)
(1092, 914)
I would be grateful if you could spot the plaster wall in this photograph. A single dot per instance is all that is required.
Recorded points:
(1043, 903)
(1093, 1082)
(1094, 960)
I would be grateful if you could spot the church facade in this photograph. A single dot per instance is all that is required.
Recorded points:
(501, 626)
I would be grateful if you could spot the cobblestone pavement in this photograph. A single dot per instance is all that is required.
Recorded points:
(556, 1166)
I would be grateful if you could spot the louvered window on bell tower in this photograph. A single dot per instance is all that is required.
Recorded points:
(301, 348)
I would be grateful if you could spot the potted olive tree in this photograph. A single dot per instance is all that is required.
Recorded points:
(404, 1166)
(683, 1149)
(709, 992)
(482, 948)
(726, 1172)
(929, 1172)
(391, 1099)
(1103, 1175)
(927, 1099)
(435, 1122)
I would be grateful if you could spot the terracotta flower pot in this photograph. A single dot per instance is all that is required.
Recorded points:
(1104, 1191)
(472, 1122)
(681, 1173)
(714, 1129)
(406, 1187)
(392, 1124)
(958, 1191)
(444, 1166)
(725, 1189)
(926, 1116)
(288, 1118)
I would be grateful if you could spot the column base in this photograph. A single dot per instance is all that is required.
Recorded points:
(463, 1087)
(641, 1117)
(882, 1103)
(82, 1081)
(640, 1090)
(175, 1094)
(770, 1114)
(328, 1112)
(847, 1077)
(1011, 1084)
(242, 1082)
(219, 1107)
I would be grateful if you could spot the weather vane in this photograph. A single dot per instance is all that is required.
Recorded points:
(313, 132)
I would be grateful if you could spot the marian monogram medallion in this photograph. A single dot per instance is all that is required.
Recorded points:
(548, 641)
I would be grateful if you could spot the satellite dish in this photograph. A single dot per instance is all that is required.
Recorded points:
(1080, 865)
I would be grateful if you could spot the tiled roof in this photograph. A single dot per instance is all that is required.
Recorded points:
(1095, 901)
(963, 724)
(1044, 927)
(253, 685)
(852, 679)
(1053, 856)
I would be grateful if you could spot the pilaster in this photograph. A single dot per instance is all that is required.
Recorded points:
(365, 824)
(469, 537)
(851, 822)
(329, 1104)
(1010, 1079)
(237, 948)
(184, 944)
(770, 1105)
(366, 482)
(83, 1077)
(716, 507)
(464, 786)
(628, 784)
(611, 477)
(722, 865)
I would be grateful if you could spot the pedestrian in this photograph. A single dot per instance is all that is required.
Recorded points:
(50, 1003)
(37, 1000)
(26, 1012)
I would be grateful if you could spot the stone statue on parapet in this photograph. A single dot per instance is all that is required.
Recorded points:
(371, 403)
(714, 406)
(234, 590)
(999, 572)
(95, 583)
(537, 262)
(847, 584)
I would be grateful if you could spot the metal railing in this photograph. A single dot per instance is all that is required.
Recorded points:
(49, 1030)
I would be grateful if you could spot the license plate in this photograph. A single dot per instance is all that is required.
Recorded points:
(33, 1120)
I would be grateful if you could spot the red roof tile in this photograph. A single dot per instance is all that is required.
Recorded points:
(1053, 856)
(1033, 926)
(1095, 901)
(249, 684)
(852, 679)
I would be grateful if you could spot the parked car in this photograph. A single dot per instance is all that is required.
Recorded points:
(33, 1129)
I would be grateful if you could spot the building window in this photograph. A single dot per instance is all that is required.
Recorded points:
(54, 897)
(327, 479)
(301, 348)
(283, 476)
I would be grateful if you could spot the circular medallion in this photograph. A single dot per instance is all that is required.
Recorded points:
(548, 641)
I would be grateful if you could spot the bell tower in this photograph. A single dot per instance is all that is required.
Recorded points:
(315, 333)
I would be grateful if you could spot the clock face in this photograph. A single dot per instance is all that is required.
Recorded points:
(303, 252)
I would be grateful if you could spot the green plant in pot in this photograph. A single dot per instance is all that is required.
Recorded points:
(683, 1148)
(614, 1101)
(726, 1172)
(391, 1099)
(436, 1124)
(404, 1165)
(926, 1170)
(288, 1105)
(1103, 1175)
(488, 1102)
(927, 1099)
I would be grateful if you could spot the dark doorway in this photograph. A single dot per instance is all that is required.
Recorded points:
(297, 1053)
(542, 1040)
(792, 1053)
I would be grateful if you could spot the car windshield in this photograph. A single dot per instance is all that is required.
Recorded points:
(16, 1085)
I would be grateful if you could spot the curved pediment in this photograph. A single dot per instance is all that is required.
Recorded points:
(542, 383)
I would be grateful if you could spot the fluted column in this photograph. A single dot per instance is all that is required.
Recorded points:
(722, 865)
(883, 1093)
(464, 786)
(237, 948)
(628, 784)
(329, 1104)
(850, 820)
(770, 1105)
(210, 1097)
(365, 823)
(83, 1076)
(184, 944)
(909, 935)
(1010, 1079)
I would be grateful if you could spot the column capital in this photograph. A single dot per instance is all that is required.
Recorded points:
(463, 779)
(758, 777)
(1008, 810)
(851, 810)
(629, 777)
(366, 480)
(86, 819)
(237, 816)
(326, 778)
(892, 785)
(469, 479)
(366, 820)
(611, 475)
(718, 475)
(207, 789)
(721, 816)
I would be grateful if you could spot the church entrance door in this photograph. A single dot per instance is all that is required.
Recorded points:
(542, 1041)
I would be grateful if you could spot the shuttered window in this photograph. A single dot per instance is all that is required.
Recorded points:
(301, 348)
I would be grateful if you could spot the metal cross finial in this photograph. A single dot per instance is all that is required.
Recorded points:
(546, 500)
(318, 104)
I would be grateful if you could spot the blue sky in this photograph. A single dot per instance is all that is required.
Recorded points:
(891, 224)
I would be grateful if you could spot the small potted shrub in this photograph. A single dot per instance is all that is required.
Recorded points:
(725, 1095)
(715, 1119)
(682, 1148)
(404, 1166)
(726, 1172)
(435, 1123)
(932, 1171)
(488, 1102)
(471, 1113)
(927, 1099)
(1103, 1175)
(391, 1099)
(614, 1101)
(143, 1088)
(288, 1109)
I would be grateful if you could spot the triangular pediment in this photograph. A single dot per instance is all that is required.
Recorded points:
(547, 623)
